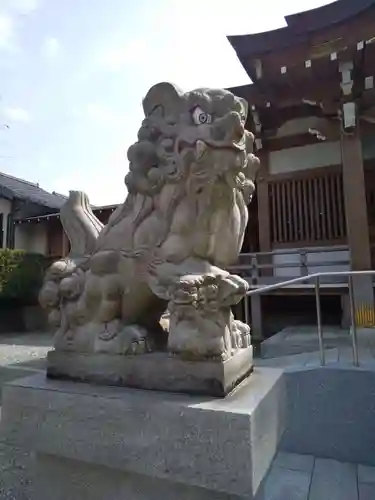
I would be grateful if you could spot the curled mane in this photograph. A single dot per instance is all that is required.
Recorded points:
(153, 163)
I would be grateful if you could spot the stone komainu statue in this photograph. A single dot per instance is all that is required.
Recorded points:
(190, 180)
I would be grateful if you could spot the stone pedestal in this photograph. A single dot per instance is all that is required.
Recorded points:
(112, 443)
(155, 371)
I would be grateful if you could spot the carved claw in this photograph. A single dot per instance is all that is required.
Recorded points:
(142, 346)
(137, 348)
(125, 340)
(132, 349)
(233, 289)
(241, 334)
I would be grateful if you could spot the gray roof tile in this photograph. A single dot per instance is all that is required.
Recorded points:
(26, 190)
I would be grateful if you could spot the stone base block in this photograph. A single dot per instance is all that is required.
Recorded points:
(108, 442)
(157, 371)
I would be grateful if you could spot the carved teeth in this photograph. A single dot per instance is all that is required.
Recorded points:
(201, 149)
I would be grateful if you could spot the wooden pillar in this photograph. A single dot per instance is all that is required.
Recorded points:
(257, 330)
(264, 222)
(357, 219)
(355, 196)
(264, 236)
(355, 200)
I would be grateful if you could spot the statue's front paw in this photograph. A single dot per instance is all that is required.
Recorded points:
(126, 340)
(49, 296)
(233, 289)
(241, 332)
(64, 340)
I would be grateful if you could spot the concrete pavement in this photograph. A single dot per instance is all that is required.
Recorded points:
(20, 355)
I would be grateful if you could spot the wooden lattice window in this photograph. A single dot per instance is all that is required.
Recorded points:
(307, 209)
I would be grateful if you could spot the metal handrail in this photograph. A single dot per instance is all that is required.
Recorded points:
(288, 251)
(317, 277)
(252, 264)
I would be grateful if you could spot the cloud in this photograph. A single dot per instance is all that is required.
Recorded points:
(51, 47)
(103, 114)
(9, 11)
(7, 36)
(24, 6)
(116, 58)
(16, 114)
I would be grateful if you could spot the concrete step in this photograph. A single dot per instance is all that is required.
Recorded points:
(292, 341)
(10, 373)
(304, 477)
(304, 340)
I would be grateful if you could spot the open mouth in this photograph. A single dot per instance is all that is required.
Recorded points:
(202, 146)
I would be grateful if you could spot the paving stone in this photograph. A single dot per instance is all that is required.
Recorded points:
(366, 491)
(331, 356)
(284, 484)
(20, 355)
(366, 474)
(333, 480)
(16, 468)
(293, 461)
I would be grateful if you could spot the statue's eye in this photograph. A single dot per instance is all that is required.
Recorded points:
(200, 117)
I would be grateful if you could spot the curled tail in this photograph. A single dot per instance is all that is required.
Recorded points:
(64, 277)
(80, 224)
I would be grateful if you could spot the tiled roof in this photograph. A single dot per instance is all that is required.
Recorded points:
(299, 26)
(28, 191)
(327, 15)
(57, 214)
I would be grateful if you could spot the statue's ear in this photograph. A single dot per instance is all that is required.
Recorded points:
(164, 97)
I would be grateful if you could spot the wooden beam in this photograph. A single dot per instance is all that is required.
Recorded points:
(289, 91)
(309, 173)
(288, 142)
(274, 117)
(298, 140)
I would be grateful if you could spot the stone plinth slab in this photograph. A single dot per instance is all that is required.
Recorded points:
(108, 442)
(156, 371)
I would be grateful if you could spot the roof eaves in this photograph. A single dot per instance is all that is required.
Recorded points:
(298, 29)
(327, 15)
(259, 43)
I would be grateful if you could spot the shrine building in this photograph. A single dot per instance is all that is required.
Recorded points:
(312, 110)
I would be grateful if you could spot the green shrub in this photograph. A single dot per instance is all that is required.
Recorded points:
(21, 275)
